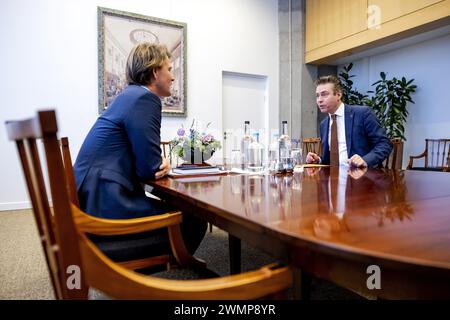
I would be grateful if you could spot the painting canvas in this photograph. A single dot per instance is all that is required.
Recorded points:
(119, 32)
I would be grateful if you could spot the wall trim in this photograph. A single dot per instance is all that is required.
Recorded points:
(7, 206)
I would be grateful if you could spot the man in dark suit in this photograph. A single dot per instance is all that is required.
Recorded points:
(361, 141)
(122, 150)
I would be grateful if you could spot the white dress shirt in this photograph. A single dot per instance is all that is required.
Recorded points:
(342, 143)
(338, 208)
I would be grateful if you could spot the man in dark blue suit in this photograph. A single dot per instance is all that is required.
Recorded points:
(361, 141)
(122, 150)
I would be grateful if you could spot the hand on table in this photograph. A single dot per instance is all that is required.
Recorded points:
(164, 168)
(312, 158)
(357, 161)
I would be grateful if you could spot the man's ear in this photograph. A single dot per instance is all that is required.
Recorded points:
(155, 73)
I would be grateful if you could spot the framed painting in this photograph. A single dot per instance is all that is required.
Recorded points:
(118, 33)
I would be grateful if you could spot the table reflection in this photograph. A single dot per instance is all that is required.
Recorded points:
(322, 199)
(351, 199)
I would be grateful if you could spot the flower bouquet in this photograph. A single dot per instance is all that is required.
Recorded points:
(194, 147)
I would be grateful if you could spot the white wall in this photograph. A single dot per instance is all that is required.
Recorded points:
(427, 62)
(48, 58)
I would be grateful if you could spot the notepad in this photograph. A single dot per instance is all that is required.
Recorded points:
(195, 169)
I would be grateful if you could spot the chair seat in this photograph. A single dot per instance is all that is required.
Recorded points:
(133, 246)
(438, 169)
(186, 274)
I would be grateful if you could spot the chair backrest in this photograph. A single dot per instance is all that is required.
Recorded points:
(395, 159)
(56, 229)
(68, 168)
(165, 148)
(311, 145)
(75, 263)
(437, 153)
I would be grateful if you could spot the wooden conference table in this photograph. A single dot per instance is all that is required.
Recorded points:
(336, 224)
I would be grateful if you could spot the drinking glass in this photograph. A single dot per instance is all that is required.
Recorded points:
(296, 155)
(236, 159)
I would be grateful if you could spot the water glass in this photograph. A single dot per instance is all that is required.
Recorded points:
(297, 157)
(236, 159)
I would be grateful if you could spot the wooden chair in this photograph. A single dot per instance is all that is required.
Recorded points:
(436, 156)
(395, 159)
(166, 150)
(311, 145)
(106, 229)
(68, 169)
(76, 264)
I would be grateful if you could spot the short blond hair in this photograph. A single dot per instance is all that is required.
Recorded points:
(142, 60)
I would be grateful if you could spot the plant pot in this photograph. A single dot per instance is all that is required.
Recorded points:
(195, 156)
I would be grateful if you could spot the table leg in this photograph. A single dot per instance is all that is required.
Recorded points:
(302, 284)
(235, 254)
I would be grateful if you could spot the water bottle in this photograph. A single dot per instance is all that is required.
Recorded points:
(256, 154)
(284, 145)
(245, 143)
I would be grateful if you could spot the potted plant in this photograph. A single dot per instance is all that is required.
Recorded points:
(194, 147)
(390, 104)
(389, 101)
(349, 95)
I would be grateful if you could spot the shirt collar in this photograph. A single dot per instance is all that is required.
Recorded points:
(340, 110)
(146, 88)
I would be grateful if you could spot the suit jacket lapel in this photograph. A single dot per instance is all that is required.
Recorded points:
(349, 117)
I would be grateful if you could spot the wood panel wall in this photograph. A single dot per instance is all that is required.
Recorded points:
(336, 28)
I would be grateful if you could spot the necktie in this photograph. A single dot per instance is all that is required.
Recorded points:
(334, 149)
(334, 180)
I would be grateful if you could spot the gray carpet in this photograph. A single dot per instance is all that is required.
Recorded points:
(23, 270)
(24, 275)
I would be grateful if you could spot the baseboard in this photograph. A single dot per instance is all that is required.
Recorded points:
(7, 206)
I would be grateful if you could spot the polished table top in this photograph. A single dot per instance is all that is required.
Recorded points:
(395, 216)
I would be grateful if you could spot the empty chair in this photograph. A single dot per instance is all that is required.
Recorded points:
(436, 156)
(311, 145)
(76, 264)
(166, 150)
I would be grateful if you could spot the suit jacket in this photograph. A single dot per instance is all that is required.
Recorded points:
(121, 150)
(364, 136)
